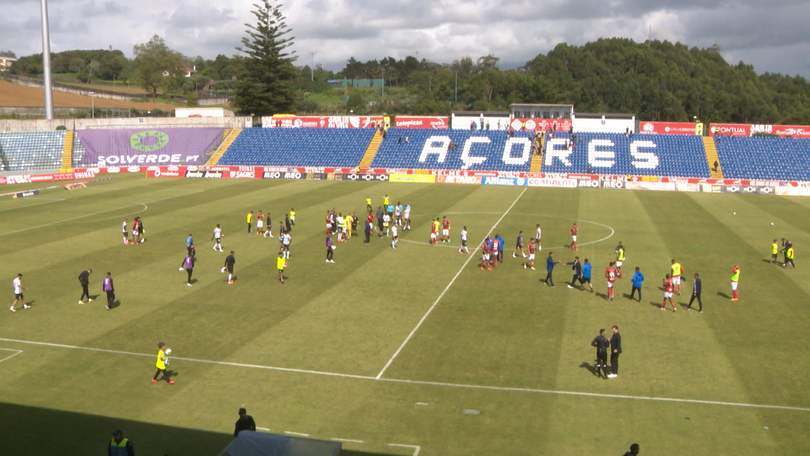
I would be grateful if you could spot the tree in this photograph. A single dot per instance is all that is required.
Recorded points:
(154, 59)
(266, 86)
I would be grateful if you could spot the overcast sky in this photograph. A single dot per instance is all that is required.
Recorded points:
(772, 35)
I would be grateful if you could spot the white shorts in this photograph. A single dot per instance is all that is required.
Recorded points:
(618, 264)
(667, 295)
(734, 286)
(260, 224)
(445, 232)
(485, 256)
(676, 280)
(433, 235)
(574, 238)
(531, 257)
(610, 284)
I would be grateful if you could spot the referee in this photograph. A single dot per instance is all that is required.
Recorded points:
(84, 280)
(601, 343)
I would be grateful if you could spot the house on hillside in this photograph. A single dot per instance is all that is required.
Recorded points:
(188, 72)
(6, 62)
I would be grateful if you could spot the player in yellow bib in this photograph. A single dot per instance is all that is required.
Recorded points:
(249, 219)
(676, 270)
(619, 259)
(160, 363)
(735, 277)
(280, 266)
(368, 204)
(774, 250)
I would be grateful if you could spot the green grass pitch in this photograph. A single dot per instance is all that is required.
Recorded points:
(310, 356)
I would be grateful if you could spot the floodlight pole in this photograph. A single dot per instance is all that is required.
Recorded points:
(46, 62)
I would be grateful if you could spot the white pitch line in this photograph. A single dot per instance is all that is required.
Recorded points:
(202, 361)
(54, 200)
(296, 433)
(348, 440)
(424, 317)
(415, 448)
(145, 207)
(263, 429)
(420, 382)
(10, 356)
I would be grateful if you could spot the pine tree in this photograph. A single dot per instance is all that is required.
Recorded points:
(265, 88)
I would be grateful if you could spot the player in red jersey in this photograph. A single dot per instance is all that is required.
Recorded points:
(445, 229)
(434, 233)
(573, 245)
(328, 222)
(610, 275)
(669, 288)
(496, 244)
(485, 255)
(530, 262)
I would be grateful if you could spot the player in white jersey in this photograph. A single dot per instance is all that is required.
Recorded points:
(339, 223)
(398, 213)
(18, 293)
(217, 238)
(406, 214)
(463, 241)
(124, 231)
(394, 236)
(538, 234)
(286, 239)
(386, 223)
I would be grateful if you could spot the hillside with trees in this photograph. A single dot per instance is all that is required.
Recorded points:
(656, 80)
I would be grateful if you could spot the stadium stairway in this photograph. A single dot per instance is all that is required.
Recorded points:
(537, 160)
(371, 150)
(230, 136)
(711, 157)
(67, 153)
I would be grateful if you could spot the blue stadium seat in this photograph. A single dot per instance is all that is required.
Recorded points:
(31, 150)
(327, 147)
(785, 159)
(617, 154)
(489, 150)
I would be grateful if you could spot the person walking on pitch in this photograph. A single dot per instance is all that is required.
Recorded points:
(84, 281)
(18, 293)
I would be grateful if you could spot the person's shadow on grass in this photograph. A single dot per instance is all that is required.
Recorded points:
(601, 295)
(591, 368)
(115, 305)
(720, 293)
(655, 304)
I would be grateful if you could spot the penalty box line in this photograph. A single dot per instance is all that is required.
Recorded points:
(463, 266)
(16, 352)
(417, 382)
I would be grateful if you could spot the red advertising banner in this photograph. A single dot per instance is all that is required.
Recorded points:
(668, 128)
(32, 178)
(436, 122)
(459, 179)
(795, 131)
(541, 124)
(322, 121)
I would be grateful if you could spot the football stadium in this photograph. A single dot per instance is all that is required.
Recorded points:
(521, 278)
(416, 349)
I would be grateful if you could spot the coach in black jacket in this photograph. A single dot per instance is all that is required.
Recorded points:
(576, 266)
(615, 351)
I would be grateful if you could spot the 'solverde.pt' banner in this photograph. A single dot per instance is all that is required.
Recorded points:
(165, 146)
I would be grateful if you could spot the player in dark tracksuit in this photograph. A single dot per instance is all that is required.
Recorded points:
(84, 280)
(602, 345)
(696, 289)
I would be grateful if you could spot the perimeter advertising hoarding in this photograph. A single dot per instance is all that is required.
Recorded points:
(145, 147)
(668, 128)
(435, 122)
(541, 124)
(421, 178)
(322, 121)
(795, 131)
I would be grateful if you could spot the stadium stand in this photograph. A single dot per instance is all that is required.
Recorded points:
(31, 150)
(764, 158)
(78, 151)
(430, 149)
(298, 147)
(618, 154)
